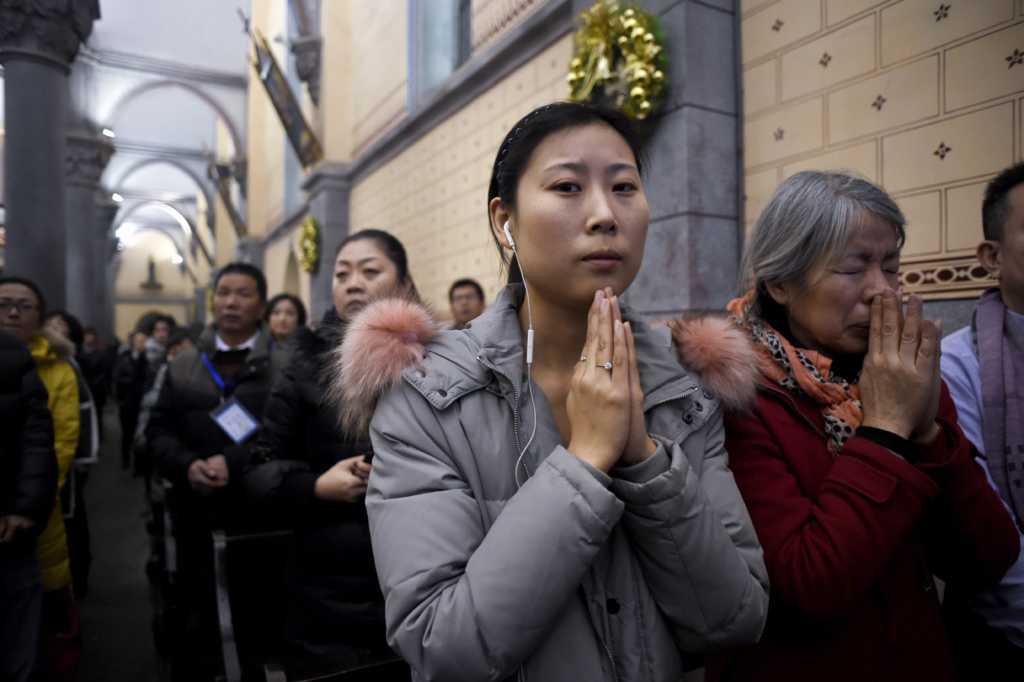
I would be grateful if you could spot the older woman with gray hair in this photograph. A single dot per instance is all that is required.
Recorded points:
(860, 484)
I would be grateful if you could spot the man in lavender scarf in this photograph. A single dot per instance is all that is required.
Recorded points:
(983, 365)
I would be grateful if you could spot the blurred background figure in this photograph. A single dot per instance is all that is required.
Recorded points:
(466, 298)
(23, 315)
(285, 314)
(313, 475)
(28, 486)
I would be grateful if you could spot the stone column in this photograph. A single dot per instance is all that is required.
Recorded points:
(103, 248)
(38, 41)
(328, 187)
(693, 170)
(87, 155)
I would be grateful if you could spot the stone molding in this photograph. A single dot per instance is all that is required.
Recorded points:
(161, 67)
(46, 30)
(86, 158)
(327, 175)
(307, 63)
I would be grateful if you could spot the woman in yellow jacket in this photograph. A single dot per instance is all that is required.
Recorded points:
(21, 314)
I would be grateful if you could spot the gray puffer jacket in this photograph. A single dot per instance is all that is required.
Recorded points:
(575, 575)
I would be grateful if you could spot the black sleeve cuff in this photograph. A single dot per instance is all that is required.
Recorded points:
(889, 440)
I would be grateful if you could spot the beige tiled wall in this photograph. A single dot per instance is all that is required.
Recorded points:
(434, 195)
(923, 97)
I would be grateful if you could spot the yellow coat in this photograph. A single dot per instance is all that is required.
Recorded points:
(62, 385)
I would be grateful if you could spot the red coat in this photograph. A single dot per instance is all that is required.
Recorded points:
(851, 543)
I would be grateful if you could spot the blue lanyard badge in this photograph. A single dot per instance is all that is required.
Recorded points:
(222, 385)
(235, 421)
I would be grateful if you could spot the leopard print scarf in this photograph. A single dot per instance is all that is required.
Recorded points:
(803, 372)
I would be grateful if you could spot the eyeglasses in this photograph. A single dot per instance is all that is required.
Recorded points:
(7, 304)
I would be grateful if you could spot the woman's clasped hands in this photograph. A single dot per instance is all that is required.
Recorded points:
(900, 381)
(606, 403)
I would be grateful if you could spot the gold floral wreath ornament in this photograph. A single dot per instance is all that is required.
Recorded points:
(618, 53)
(309, 244)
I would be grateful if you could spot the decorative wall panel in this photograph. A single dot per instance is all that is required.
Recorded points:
(925, 97)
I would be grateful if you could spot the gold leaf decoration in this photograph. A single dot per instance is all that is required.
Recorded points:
(309, 244)
(619, 58)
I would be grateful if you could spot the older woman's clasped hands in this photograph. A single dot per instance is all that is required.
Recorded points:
(899, 384)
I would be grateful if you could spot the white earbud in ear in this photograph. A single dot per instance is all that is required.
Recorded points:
(508, 235)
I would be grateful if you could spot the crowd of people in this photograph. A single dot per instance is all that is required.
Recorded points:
(811, 484)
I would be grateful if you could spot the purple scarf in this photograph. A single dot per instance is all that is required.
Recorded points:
(1002, 371)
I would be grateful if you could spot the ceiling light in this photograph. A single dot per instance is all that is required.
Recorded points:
(107, 132)
(117, 197)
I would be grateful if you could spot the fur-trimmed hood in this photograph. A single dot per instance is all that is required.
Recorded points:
(393, 335)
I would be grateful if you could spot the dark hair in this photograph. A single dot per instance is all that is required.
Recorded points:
(147, 323)
(35, 290)
(294, 300)
(76, 334)
(393, 250)
(995, 209)
(178, 335)
(90, 330)
(526, 135)
(465, 282)
(247, 269)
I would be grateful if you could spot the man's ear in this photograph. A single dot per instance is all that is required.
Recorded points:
(990, 255)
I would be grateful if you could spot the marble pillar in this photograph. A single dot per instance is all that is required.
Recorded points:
(87, 155)
(692, 177)
(38, 41)
(104, 252)
(328, 187)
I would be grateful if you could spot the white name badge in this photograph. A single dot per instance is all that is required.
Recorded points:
(235, 420)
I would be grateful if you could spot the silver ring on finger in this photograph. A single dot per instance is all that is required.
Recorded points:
(605, 365)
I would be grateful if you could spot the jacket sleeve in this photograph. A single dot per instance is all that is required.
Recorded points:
(165, 423)
(696, 543)
(275, 474)
(36, 480)
(462, 603)
(66, 413)
(972, 539)
(824, 549)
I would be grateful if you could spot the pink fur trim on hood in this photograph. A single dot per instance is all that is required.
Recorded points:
(383, 340)
(721, 355)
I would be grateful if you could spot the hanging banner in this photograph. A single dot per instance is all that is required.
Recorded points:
(301, 136)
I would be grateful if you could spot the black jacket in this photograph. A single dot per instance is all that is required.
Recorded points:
(333, 580)
(181, 428)
(28, 462)
(130, 378)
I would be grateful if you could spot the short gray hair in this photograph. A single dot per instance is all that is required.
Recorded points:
(807, 221)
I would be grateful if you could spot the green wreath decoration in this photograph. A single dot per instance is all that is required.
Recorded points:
(309, 244)
(619, 56)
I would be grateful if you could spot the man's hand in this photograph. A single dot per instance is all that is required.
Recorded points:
(10, 525)
(207, 475)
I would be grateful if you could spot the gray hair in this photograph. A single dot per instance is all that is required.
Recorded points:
(807, 221)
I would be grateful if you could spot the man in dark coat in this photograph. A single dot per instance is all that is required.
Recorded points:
(208, 408)
(28, 485)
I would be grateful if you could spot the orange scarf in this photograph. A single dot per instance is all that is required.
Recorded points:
(801, 371)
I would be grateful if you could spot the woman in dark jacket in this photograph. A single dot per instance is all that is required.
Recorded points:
(860, 483)
(306, 468)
